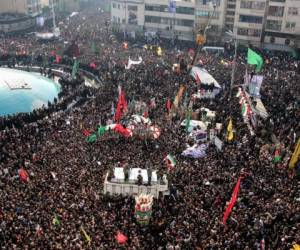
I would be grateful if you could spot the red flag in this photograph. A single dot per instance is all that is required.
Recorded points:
(93, 65)
(168, 105)
(121, 238)
(121, 106)
(53, 53)
(58, 59)
(145, 114)
(232, 201)
(122, 131)
(86, 133)
(23, 175)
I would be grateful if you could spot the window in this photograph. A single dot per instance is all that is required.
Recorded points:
(185, 10)
(230, 6)
(152, 19)
(273, 25)
(229, 26)
(290, 25)
(287, 41)
(207, 2)
(253, 5)
(249, 32)
(214, 28)
(229, 19)
(276, 10)
(201, 13)
(293, 11)
(231, 13)
(159, 8)
(114, 6)
(278, 1)
(250, 19)
(132, 7)
(185, 22)
(169, 21)
(272, 39)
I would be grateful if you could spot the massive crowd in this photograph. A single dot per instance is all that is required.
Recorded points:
(66, 173)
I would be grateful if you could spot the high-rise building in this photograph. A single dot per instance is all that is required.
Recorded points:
(267, 23)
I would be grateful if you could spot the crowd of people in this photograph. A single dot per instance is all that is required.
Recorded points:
(66, 173)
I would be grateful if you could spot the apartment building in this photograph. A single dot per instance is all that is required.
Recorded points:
(172, 19)
(27, 7)
(282, 25)
(175, 20)
(267, 23)
(129, 15)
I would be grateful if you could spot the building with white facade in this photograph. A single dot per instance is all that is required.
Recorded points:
(266, 23)
(178, 23)
(155, 16)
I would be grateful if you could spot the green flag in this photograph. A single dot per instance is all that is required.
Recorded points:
(75, 68)
(277, 156)
(91, 138)
(94, 48)
(101, 130)
(55, 221)
(254, 59)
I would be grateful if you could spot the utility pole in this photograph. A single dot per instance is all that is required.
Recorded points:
(201, 38)
(125, 27)
(230, 33)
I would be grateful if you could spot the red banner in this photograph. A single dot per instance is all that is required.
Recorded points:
(232, 201)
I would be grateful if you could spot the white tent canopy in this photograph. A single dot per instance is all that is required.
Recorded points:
(204, 76)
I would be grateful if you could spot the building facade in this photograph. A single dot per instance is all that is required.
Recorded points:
(203, 10)
(27, 7)
(176, 21)
(267, 23)
(128, 15)
(153, 16)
